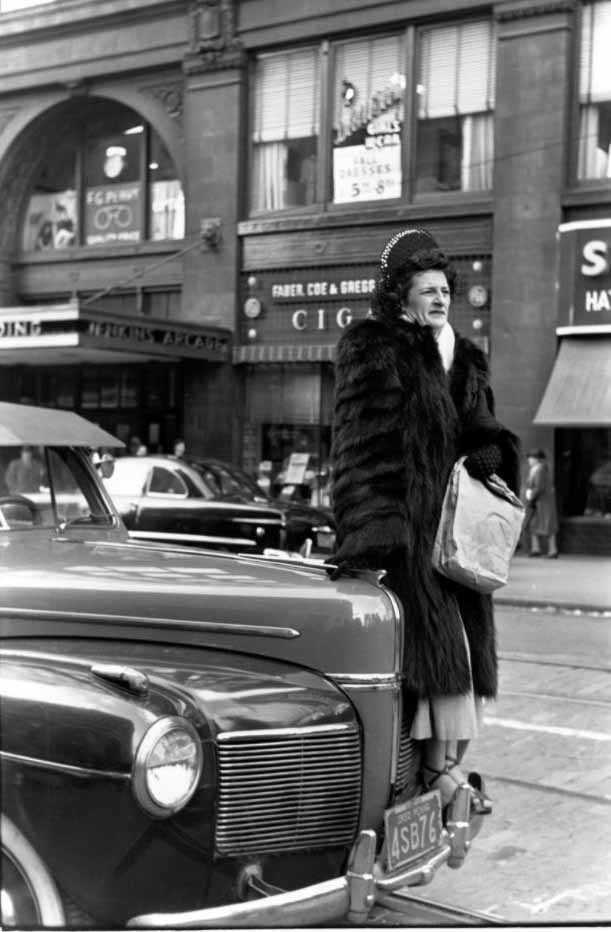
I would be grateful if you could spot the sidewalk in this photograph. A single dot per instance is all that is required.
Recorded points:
(573, 581)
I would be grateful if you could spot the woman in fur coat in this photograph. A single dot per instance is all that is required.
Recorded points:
(411, 397)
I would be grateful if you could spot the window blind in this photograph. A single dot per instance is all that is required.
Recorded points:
(457, 69)
(595, 64)
(286, 96)
(370, 66)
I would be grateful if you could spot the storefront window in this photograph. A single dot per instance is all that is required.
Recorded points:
(110, 169)
(287, 445)
(456, 87)
(584, 472)
(595, 93)
(52, 217)
(285, 136)
(367, 120)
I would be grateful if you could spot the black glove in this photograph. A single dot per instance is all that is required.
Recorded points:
(483, 462)
(337, 566)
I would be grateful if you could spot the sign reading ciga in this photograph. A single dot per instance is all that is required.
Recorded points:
(319, 291)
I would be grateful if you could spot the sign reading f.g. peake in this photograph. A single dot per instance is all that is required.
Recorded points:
(584, 280)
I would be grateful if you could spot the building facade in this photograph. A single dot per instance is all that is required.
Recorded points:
(195, 194)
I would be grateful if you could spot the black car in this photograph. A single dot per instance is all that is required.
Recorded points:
(165, 499)
(303, 521)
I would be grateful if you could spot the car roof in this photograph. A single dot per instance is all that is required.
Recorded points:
(26, 424)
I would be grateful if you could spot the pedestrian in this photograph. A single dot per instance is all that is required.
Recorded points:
(25, 473)
(179, 450)
(541, 515)
(412, 396)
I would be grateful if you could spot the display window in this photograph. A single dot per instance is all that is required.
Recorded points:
(583, 469)
(107, 180)
(287, 444)
(594, 157)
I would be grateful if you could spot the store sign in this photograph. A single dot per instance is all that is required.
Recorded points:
(323, 303)
(173, 340)
(326, 289)
(61, 326)
(112, 214)
(584, 280)
(369, 170)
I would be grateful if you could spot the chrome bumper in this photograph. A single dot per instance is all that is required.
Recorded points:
(351, 896)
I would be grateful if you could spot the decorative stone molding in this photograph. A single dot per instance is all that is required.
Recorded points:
(5, 118)
(170, 95)
(213, 43)
(535, 9)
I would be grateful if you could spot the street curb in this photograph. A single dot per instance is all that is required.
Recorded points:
(542, 604)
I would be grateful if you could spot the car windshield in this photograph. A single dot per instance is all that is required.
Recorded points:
(139, 475)
(48, 487)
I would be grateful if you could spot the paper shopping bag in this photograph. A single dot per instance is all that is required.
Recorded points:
(478, 530)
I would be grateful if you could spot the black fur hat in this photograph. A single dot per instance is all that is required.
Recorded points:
(402, 247)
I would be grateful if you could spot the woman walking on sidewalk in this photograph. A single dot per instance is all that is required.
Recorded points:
(411, 397)
(541, 516)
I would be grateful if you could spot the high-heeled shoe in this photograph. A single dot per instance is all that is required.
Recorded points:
(481, 804)
(447, 781)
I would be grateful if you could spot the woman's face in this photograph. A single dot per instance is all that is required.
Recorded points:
(428, 299)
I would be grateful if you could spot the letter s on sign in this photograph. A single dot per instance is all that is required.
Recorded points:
(595, 253)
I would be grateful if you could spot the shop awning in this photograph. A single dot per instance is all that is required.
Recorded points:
(578, 393)
(56, 334)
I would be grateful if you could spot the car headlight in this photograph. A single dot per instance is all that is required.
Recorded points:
(168, 766)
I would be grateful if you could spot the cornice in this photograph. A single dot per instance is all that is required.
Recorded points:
(534, 9)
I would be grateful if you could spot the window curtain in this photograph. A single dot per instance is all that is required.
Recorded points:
(477, 152)
(269, 176)
(594, 161)
(167, 210)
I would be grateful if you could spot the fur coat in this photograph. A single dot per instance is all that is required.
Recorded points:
(400, 423)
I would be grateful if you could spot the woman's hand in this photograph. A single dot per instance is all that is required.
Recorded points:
(484, 461)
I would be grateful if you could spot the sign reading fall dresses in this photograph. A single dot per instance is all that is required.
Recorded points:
(367, 148)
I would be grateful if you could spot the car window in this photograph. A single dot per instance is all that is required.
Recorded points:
(230, 484)
(165, 482)
(128, 477)
(211, 479)
(48, 487)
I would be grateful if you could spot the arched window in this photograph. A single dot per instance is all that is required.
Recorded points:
(105, 177)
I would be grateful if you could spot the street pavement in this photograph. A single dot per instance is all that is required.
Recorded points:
(572, 582)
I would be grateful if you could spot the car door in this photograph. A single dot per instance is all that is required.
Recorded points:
(165, 505)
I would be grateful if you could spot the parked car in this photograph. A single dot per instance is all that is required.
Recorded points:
(192, 738)
(165, 499)
(303, 522)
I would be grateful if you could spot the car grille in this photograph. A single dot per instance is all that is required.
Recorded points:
(408, 763)
(288, 791)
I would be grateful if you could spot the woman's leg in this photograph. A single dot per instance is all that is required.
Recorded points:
(535, 549)
(552, 546)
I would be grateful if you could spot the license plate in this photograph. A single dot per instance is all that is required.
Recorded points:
(413, 829)
(325, 540)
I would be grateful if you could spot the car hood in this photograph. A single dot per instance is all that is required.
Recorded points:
(124, 589)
